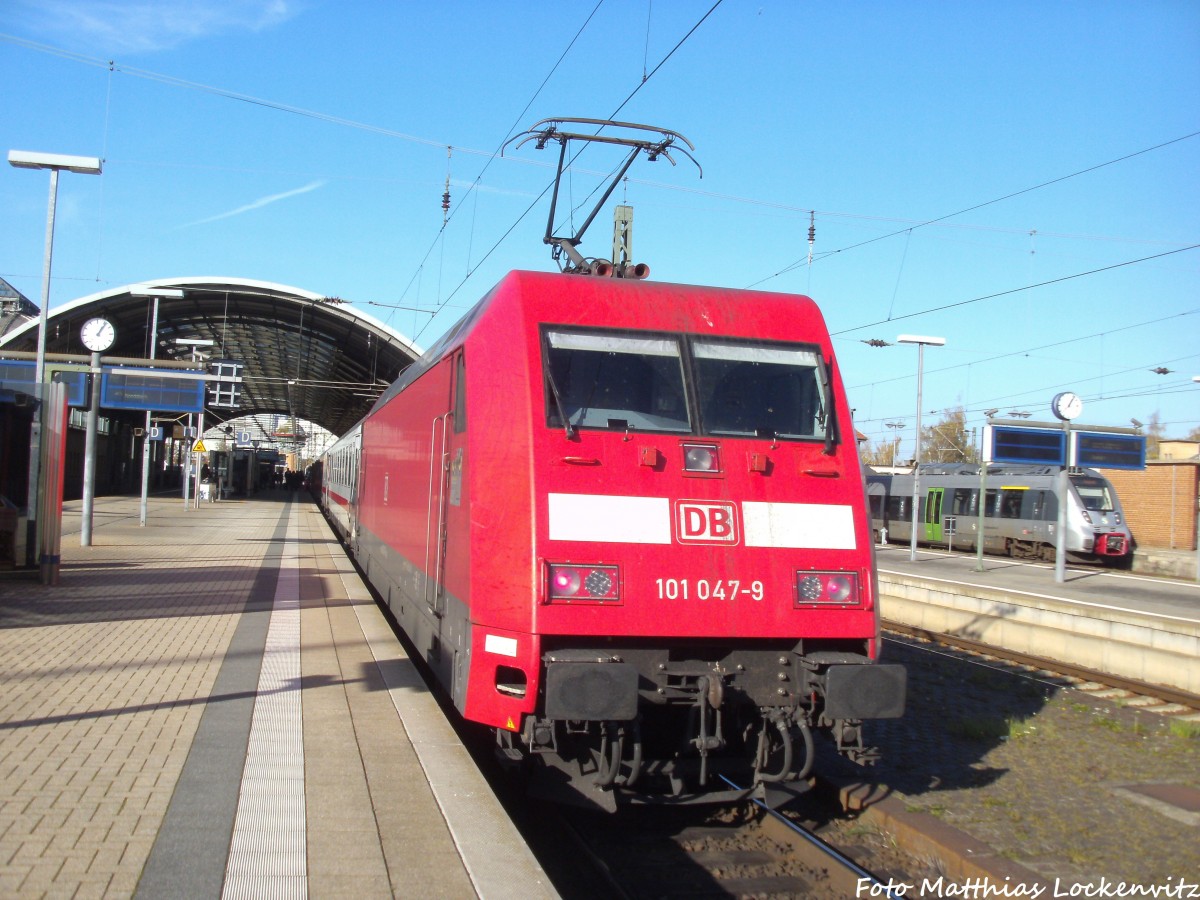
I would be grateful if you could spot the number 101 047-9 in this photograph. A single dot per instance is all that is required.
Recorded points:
(708, 589)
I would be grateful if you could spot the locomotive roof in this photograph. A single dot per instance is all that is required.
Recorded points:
(573, 295)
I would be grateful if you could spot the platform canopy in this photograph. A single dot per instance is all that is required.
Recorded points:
(305, 355)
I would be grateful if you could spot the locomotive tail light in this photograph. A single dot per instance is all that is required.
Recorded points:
(701, 459)
(583, 584)
(840, 588)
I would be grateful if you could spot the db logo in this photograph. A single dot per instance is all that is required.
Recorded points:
(701, 522)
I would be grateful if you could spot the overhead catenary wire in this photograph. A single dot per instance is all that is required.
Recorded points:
(146, 74)
(1001, 199)
(938, 221)
(612, 115)
(1016, 290)
(980, 405)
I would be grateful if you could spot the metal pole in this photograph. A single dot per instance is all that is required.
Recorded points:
(34, 544)
(142, 510)
(89, 456)
(199, 463)
(1196, 535)
(54, 449)
(187, 467)
(1064, 490)
(982, 508)
(916, 505)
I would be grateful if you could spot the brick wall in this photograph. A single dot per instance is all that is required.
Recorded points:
(1160, 503)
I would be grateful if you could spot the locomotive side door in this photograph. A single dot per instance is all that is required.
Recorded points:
(444, 547)
(933, 514)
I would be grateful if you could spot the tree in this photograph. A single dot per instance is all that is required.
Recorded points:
(948, 440)
(1155, 432)
(881, 453)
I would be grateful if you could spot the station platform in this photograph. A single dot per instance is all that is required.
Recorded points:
(212, 705)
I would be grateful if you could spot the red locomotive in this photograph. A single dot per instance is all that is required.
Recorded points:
(625, 525)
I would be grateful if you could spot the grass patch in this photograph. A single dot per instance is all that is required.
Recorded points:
(1020, 728)
(1189, 730)
(1106, 722)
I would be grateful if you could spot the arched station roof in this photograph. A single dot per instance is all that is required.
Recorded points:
(305, 355)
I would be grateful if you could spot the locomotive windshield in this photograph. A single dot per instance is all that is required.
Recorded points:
(640, 383)
(766, 390)
(1094, 493)
(617, 382)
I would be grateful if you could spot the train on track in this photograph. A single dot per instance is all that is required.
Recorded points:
(1020, 512)
(625, 525)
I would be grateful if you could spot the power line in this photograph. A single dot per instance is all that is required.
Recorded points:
(511, 228)
(1017, 290)
(908, 224)
(968, 209)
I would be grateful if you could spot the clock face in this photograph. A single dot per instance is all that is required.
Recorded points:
(1066, 405)
(97, 334)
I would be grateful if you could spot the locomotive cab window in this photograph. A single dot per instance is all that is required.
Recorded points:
(615, 382)
(764, 390)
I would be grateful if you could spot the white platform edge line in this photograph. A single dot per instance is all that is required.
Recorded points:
(494, 875)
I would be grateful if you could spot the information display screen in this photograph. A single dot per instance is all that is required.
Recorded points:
(1008, 444)
(1109, 451)
(16, 377)
(152, 390)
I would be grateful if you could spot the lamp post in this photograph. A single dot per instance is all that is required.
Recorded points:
(921, 341)
(157, 294)
(194, 343)
(55, 162)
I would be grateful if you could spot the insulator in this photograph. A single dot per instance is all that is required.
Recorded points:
(446, 202)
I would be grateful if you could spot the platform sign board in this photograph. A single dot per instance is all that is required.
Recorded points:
(243, 440)
(1102, 450)
(16, 377)
(1013, 444)
(151, 389)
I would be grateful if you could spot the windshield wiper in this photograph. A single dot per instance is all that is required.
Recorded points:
(825, 417)
(562, 414)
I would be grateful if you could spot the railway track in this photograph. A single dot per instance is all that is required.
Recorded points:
(1156, 698)
(744, 851)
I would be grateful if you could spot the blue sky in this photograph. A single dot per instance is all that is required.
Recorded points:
(1022, 179)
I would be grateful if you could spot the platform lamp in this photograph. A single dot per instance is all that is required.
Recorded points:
(55, 162)
(156, 293)
(921, 341)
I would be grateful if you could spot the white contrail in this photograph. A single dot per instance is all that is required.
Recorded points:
(259, 203)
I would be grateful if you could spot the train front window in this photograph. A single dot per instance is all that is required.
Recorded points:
(764, 390)
(1094, 494)
(615, 381)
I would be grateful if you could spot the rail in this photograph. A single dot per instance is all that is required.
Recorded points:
(1144, 647)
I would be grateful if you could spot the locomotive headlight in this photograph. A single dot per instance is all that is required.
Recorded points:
(839, 589)
(571, 583)
(703, 459)
(827, 587)
(564, 582)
